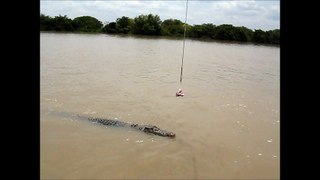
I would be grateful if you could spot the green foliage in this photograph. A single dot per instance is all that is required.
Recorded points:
(247, 33)
(172, 27)
(61, 23)
(229, 32)
(124, 25)
(195, 31)
(259, 36)
(273, 36)
(151, 25)
(225, 32)
(86, 24)
(200, 31)
(110, 28)
(46, 23)
(147, 24)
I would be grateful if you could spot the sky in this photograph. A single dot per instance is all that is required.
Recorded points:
(253, 14)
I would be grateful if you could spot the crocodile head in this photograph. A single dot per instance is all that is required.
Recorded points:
(157, 131)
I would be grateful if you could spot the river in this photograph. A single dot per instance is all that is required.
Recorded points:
(227, 125)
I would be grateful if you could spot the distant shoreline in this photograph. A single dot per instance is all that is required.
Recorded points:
(152, 25)
(165, 37)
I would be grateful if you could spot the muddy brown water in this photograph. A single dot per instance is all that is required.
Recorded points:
(226, 125)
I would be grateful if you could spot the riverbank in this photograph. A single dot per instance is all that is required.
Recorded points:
(152, 25)
(203, 39)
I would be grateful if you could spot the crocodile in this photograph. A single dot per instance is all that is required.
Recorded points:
(151, 129)
(145, 128)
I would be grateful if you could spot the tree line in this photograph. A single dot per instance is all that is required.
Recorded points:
(152, 25)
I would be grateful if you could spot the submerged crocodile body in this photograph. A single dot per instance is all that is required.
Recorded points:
(110, 122)
(145, 128)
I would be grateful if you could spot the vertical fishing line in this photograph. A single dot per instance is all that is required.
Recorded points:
(184, 41)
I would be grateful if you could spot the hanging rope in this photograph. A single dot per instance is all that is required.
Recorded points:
(184, 40)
